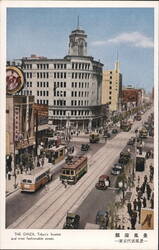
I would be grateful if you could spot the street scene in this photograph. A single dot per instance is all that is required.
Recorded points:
(79, 131)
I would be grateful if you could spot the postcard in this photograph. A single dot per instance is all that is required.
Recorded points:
(79, 126)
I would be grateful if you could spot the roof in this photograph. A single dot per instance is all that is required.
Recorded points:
(75, 162)
(35, 172)
(55, 149)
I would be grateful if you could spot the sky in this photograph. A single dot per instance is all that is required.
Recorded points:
(126, 31)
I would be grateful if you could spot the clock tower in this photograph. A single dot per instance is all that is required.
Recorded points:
(77, 43)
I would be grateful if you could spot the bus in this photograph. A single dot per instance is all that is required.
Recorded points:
(36, 179)
(55, 154)
(140, 161)
(74, 170)
(94, 137)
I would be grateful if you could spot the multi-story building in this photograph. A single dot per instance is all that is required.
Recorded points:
(20, 124)
(132, 97)
(112, 88)
(71, 87)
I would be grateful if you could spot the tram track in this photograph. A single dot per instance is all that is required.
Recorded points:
(97, 158)
(82, 182)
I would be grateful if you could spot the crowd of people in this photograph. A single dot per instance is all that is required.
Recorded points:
(144, 198)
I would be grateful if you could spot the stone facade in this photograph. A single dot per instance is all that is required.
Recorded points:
(71, 87)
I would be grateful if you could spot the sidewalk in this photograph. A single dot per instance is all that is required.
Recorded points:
(123, 216)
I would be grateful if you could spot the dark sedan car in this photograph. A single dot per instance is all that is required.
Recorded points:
(72, 221)
(84, 147)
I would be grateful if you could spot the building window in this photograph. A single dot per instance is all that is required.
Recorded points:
(64, 84)
(64, 93)
(110, 82)
(71, 103)
(55, 102)
(72, 93)
(47, 93)
(110, 97)
(110, 93)
(37, 84)
(47, 84)
(72, 84)
(110, 87)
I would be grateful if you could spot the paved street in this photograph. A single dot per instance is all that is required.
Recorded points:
(50, 209)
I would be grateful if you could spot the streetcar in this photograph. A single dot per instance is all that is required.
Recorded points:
(55, 154)
(74, 170)
(36, 179)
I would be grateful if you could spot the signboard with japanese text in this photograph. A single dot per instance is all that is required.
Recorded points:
(147, 219)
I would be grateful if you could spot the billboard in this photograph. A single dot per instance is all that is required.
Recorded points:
(14, 79)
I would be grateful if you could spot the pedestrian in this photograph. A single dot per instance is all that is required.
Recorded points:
(137, 189)
(135, 204)
(38, 164)
(129, 208)
(139, 205)
(133, 221)
(9, 175)
(152, 203)
(148, 189)
(143, 187)
(42, 162)
(145, 178)
(138, 180)
(144, 202)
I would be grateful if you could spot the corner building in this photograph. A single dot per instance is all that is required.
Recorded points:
(71, 87)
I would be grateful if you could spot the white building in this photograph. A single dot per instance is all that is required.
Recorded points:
(71, 87)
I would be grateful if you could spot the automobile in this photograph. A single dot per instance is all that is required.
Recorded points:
(119, 166)
(72, 221)
(101, 184)
(115, 171)
(68, 158)
(131, 141)
(114, 131)
(84, 147)
(123, 160)
(102, 219)
(107, 135)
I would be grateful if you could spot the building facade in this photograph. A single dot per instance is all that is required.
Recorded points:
(112, 88)
(71, 87)
(132, 97)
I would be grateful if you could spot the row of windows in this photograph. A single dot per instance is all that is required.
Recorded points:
(80, 75)
(59, 93)
(60, 66)
(80, 85)
(59, 102)
(79, 103)
(26, 92)
(43, 66)
(28, 84)
(73, 112)
(42, 93)
(79, 112)
(59, 84)
(85, 66)
(42, 102)
(27, 66)
(59, 112)
(42, 84)
(42, 75)
(28, 75)
(59, 74)
(79, 94)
